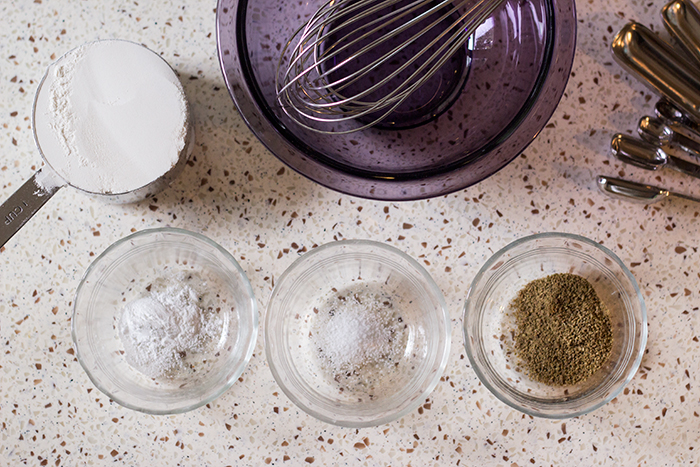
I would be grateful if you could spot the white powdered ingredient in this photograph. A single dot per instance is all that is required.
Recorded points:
(160, 331)
(358, 330)
(64, 122)
(111, 117)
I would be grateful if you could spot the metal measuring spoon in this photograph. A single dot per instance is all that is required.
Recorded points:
(658, 65)
(656, 131)
(670, 113)
(36, 191)
(649, 156)
(632, 191)
(682, 20)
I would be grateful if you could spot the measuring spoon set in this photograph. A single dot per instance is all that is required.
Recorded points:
(670, 138)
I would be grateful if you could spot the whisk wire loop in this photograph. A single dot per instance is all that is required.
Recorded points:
(319, 84)
(349, 79)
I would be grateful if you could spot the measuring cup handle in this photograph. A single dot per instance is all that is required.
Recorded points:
(25, 202)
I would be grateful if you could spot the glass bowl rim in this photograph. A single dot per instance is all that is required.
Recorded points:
(250, 298)
(637, 359)
(441, 356)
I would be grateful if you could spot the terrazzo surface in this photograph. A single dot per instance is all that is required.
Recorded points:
(238, 194)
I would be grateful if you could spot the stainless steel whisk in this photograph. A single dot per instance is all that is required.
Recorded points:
(316, 84)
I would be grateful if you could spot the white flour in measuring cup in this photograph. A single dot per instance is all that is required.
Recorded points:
(111, 117)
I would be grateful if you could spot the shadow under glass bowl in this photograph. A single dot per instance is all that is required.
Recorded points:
(489, 323)
(519, 63)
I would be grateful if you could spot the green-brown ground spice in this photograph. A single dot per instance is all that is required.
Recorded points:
(563, 333)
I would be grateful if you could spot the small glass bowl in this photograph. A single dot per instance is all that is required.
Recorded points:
(384, 389)
(125, 272)
(489, 323)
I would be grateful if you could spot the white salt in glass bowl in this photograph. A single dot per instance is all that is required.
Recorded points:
(131, 269)
(489, 323)
(357, 333)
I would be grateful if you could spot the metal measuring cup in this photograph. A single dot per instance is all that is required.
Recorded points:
(35, 192)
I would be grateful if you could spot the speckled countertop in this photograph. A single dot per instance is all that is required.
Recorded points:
(241, 196)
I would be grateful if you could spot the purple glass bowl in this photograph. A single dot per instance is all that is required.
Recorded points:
(520, 60)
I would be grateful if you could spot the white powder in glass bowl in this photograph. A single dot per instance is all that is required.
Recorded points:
(358, 329)
(173, 331)
(111, 117)
(360, 338)
(161, 330)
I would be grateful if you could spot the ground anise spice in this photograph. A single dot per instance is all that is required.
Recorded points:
(563, 333)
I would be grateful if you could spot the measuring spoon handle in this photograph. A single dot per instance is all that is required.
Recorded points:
(687, 137)
(633, 191)
(26, 201)
(682, 20)
(642, 53)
